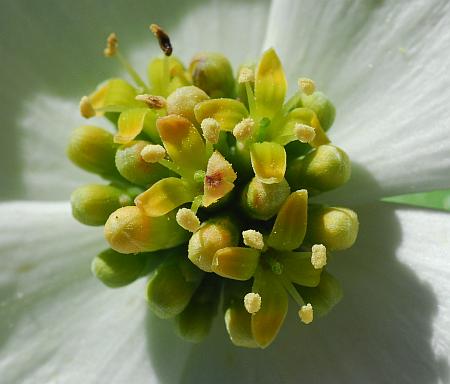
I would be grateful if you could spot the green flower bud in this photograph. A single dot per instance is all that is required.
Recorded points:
(183, 101)
(93, 149)
(92, 204)
(132, 166)
(172, 285)
(237, 320)
(262, 201)
(323, 297)
(194, 323)
(115, 269)
(334, 227)
(129, 230)
(212, 72)
(324, 168)
(237, 263)
(323, 108)
(213, 235)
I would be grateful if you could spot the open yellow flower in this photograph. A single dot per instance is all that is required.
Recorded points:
(384, 64)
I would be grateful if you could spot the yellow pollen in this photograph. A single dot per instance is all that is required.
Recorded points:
(112, 44)
(152, 153)
(304, 133)
(244, 129)
(154, 102)
(246, 75)
(187, 220)
(252, 302)
(306, 313)
(86, 108)
(307, 85)
(211, 130)
(253, 239)
(319, 256)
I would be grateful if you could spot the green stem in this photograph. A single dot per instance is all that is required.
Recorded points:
(137, 79)
(196, 203)
(172, 167)
(250, 99)
(291, 289)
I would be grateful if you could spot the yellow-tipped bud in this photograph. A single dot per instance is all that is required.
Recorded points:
(306, 85)
(244, 129)
(334, 227)
(253, 239)
(86, 108)
(183, 100)
(246, 75)
(209, 238)
(211, 130)
(188, 220)
(319, 256)
(306, 313)
(152, 153)
(304, 133)
(252, 302)
(129, 230)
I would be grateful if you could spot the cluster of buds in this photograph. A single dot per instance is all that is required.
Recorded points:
(210, 194)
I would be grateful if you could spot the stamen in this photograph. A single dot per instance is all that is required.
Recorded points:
(306, 313)
(211, 130)
(253, 239)
(154, 102)
(246, 75)
(163, 39)
(304, 133)
(86, 108)
(307, 85)
(319, 256)
(187, 219)
(252, 302)
(153, 153)
(244, 129)
(112, 44)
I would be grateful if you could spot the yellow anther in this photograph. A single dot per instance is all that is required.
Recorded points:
(112, 44)
(252, 302)
(307, 85)
(319, 256)
(246, 75)
(154, 102)
(152, 153)
(86, 108)
(187, 220)
(211, 130)
(306, 313)
(253, 239)
(244, 129)
(304, 133)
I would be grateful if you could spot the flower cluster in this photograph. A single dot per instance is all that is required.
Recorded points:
(210, 180)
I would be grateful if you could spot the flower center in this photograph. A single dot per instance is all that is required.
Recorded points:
(211, 180)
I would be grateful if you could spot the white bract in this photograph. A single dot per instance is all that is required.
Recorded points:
(386, 67)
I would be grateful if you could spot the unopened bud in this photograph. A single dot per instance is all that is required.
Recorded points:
(334, 227)
(323, 108)
(212, 72)
(117, 270)
(183, 100)
(92, 204)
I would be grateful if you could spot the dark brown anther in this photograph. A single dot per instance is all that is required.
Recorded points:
(163, 39)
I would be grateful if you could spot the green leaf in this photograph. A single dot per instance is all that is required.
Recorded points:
(270, 85)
